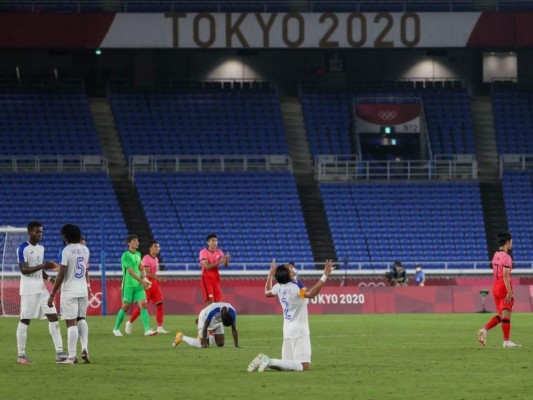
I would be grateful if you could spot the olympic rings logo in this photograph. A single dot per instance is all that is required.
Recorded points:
(96, 300)
(371, 284)
(387, 115)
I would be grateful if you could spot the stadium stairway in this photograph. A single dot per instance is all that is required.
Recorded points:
(490, 184)
(308, 191)
(128, 198)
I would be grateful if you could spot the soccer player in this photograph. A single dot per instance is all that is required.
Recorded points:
(502, 291)
(211, 322)
(73, 283)
(210, 259)
(293, 295)
(150, 264)
(33, 293)
(134, 284)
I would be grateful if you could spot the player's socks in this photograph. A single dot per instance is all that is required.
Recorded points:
(55, 332)
(159, 314)
(135, 314)
(145, 319)
(22, 337)
(192, 342)
(286, 365)
(506, 328)
(493, 322)
(120, 317)
(83, 333)
(72, 335)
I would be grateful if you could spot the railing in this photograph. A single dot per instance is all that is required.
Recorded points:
(237, 163)
(53, 164)
(443, 167)
(351, 269)
(266, 5)
(520, 162)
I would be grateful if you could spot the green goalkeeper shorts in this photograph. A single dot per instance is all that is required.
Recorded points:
(133, 294)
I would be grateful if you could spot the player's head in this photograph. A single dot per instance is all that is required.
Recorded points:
(283, 274)
(35, 232)
(133, 241)
(226, 317)
(154, 247)
(212, 241)
(71, 233)
(505, 238)
(82, 240)
(398, 264)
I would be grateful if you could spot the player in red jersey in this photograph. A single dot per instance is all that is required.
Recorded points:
(210, 259)
(502, 264)
(150, 264)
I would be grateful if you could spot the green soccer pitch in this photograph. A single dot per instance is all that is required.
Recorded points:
(408, 356)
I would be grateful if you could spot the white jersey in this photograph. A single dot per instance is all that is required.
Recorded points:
(294, 304)
(76, 257)
(33, 255)
(212, 313)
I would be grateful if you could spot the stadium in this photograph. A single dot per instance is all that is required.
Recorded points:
(301, 131)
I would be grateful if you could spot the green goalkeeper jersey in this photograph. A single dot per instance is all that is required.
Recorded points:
(133, 261)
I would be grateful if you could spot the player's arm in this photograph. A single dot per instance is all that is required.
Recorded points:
(235, 334)
(148, 274)
(321, 282)
(507, 282)
(205, 337)
(206, 264)
(225, 260)
(145, 284)
(268, 283)
(26, 270)
(48, 278)
(57, 284)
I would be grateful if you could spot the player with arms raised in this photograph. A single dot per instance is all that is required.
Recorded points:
(74, 301)
(33, 293)
(502, 264)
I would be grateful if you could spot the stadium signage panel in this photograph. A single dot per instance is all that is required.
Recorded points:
(405, 118)
(290, 30)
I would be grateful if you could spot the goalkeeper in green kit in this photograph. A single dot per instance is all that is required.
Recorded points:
(134, 284)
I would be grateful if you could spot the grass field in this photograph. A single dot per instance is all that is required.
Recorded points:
(422, 356)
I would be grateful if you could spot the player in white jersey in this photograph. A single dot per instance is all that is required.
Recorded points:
(293, 297)
(72, 281)
(34, 294)
(211, 322)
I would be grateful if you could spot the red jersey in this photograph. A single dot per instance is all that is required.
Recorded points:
(500, 261)
(211, 258)
(153, 264)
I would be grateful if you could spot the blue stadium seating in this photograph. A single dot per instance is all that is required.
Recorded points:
(256, 216)
(200, 122)
(51, 123)
(56, 199)
(418, 222)
(518, 195)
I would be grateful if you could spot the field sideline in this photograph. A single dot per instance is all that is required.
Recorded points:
(404, 356)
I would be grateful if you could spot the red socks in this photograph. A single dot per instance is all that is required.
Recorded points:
(493, 322)
(506, 328)
(135, 314)
(159, 314)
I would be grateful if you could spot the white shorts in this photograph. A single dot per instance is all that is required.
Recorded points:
(35, 306)
(73, 307)
(213, 328)
(298, 349)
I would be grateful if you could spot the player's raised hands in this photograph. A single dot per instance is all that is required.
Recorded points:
(328, 267)
(273, 267)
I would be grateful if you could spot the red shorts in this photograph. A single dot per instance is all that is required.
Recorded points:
(211, 289)
(154, 294)
(499, 292)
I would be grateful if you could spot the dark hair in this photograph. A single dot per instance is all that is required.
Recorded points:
(152, 243)
(226, 317)
(71, 233)
(283, 275)
(398, 264)
(34, 224)
(131, 237)
(504, 237)
(211, 236)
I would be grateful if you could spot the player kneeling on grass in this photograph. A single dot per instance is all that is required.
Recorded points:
(211, 322)
(293, 295)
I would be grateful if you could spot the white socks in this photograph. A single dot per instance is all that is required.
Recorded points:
(287, 365)
(196, 342)
(22, 336)
(55, 332)
(72, 341)
(83, 332)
